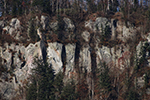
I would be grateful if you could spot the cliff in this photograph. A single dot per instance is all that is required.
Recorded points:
(70, 47)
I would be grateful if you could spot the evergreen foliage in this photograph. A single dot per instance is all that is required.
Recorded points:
(58, 84)
(141, 62)
(44, 4)
(133, 95)
(46, 86)
(32, 90)
(32, 31)
(68, 92)
(104, 78)
(92, 6)
(43, 83)
(114, 5)
(106, 33)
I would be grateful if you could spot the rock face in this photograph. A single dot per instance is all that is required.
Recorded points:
(44, 22)
(69, 26)
(54, 51)
(99, 25)
(19, 59)
(70, 57)
(14, 28)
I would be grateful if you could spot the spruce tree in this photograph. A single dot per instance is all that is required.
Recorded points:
(43, 85)
(32, 90)
(58, 84)
(104, 78)
(68, 92)
(32, 31)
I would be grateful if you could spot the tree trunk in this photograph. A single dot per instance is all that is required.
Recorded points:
(5, 7)
(57, 9)
(52, 6)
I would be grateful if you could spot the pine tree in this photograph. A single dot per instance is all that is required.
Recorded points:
(43, 84)
(68, 92)
(58, 84)
(32, 32)
(44, 4)
(104, 78)
(32, 90)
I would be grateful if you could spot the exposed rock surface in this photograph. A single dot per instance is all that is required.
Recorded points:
(69, 26)
(54, 56)
(14, 28)
(70, 56)
(19, 58)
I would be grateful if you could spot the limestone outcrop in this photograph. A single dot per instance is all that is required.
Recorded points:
(18, 59)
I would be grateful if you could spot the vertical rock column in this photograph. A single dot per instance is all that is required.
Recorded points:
(70, 56)
(54, 52)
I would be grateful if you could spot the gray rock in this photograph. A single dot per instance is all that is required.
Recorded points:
(14, 29)
(54, 26)
(7, 90)
(125, 33)
(101, 23)
(89, 24)
(69, 26)
(15, 23)
(86, 35)
(2, 24)
(54, 56)
(105, 54)
(70, 56)
(148, 37)
(8, 57)
(44, 22)
(140, 81)
(85, 59)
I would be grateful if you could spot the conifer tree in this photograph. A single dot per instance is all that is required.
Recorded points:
(104, 82)
(32, 31)
(68, 92)
(43, 84)
(58, 84)
(104, 78)
(32, 90)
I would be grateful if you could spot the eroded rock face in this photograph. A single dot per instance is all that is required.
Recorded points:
(98, 25)
(54, 56)
(54, 25)
(85, 59)
(15, 23)
(70, 57)
(44, 22)
(86, 36)
(20, 59)
(14, 28)
(69, 26)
